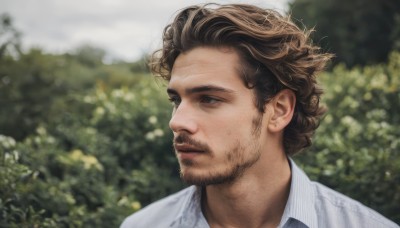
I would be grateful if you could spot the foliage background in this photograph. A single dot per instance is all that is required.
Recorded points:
(84, 144)
(358, 32)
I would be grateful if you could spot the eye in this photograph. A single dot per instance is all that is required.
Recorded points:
(175, 100)
(209, 100)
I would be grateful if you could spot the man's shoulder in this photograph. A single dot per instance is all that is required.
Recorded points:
(161, 212)
(333, 207)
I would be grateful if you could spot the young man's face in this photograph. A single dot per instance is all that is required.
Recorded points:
(218, 131)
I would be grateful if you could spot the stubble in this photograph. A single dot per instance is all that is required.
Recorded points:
(239, 158)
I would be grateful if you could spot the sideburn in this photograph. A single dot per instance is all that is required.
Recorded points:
(256, 125)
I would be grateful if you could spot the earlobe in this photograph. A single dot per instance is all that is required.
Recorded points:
(282, 108)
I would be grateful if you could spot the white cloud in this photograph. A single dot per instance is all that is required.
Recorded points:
(124, 28)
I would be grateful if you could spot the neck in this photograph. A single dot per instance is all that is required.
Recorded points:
(256, 199)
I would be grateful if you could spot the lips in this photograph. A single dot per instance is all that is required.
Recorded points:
(186, 148)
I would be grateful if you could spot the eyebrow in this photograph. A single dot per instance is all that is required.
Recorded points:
(200, 89)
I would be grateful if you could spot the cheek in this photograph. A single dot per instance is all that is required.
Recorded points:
(219, 135)
(227, 126)
(231, 123)
(217, 131)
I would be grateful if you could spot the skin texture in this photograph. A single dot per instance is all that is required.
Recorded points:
(224, 143)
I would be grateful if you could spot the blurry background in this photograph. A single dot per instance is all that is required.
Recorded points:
(84, 139)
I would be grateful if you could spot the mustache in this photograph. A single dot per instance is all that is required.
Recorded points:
(184, 138)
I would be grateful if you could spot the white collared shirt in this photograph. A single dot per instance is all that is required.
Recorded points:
(310, 205)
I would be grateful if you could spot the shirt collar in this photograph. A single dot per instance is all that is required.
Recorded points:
(300, 204)
(190, 214)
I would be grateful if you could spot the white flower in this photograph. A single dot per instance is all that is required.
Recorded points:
(100, 111)
(150, 136)
(152, 119)
(158, 132)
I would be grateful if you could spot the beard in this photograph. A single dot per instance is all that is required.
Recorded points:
(239, 157)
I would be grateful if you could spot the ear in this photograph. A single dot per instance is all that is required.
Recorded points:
(282, 109)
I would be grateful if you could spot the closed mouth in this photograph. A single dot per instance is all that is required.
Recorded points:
(185, 148)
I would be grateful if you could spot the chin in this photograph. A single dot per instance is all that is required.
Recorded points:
(207, 178)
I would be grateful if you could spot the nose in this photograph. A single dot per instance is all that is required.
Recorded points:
(183, 119)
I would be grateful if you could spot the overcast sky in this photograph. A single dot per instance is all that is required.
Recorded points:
(126, 29)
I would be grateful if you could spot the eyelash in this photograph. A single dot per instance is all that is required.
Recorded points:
(209, 100)
(175, 101)
(204, 99)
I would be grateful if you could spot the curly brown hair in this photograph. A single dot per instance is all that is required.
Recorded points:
(275, 54)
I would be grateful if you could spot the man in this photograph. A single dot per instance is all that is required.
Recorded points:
(242, 81)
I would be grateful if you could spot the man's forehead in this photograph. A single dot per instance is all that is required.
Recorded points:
(206, 67)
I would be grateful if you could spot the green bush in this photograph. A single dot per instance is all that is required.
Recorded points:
(99, 153)
(357, 146)
(35, 87)
(108, 155)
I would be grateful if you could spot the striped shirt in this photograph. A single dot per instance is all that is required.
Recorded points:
(309, 205)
